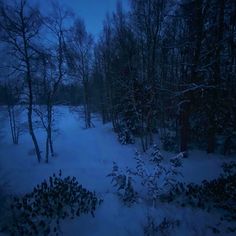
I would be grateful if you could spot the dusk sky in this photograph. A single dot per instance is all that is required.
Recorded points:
(93, 12)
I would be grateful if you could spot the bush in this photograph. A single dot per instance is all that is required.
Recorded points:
(39, 212)
(229, 168)
(160, 178)
(153, 180)
(218, 193)
(156, 156)
(215, 194)
(125, 136)
(165, 227)
(123, 183)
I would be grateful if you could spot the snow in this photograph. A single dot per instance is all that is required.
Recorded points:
(88, 154)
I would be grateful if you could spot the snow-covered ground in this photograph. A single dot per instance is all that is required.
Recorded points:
(88, 155)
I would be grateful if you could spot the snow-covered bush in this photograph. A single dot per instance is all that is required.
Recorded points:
(40, 211)
(158, 179)
(218, 193)
(156, 155)
(123, 183)
(125, 136)
(164, 228)
(153, 180)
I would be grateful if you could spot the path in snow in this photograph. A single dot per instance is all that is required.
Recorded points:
(85, 153)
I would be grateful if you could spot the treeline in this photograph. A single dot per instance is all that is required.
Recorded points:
(170, 67)
(67, 94)
(160, 67)
(44, 61)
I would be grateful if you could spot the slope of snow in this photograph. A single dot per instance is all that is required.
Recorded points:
(88, 155)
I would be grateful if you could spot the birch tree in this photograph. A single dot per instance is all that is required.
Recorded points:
(20, 26)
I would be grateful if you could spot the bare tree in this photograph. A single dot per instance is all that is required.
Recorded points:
(20, 26)
(52, 67)
(13, 91)
(81, 43)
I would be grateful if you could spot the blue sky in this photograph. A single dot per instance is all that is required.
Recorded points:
(93, 12)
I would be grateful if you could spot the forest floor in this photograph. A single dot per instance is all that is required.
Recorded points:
(88, 154)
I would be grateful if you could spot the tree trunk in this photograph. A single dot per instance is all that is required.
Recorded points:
(47, 150)
(184, 127)
(29, 82)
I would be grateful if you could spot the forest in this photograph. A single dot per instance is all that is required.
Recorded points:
(160, 78)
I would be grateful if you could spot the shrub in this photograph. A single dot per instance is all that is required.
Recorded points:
(153, 180)
(229, 168)
(40, 211)
(123, 184)
(218, 193)
(156, 155)
(165, 227)
(125, 136)
(160, 178)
